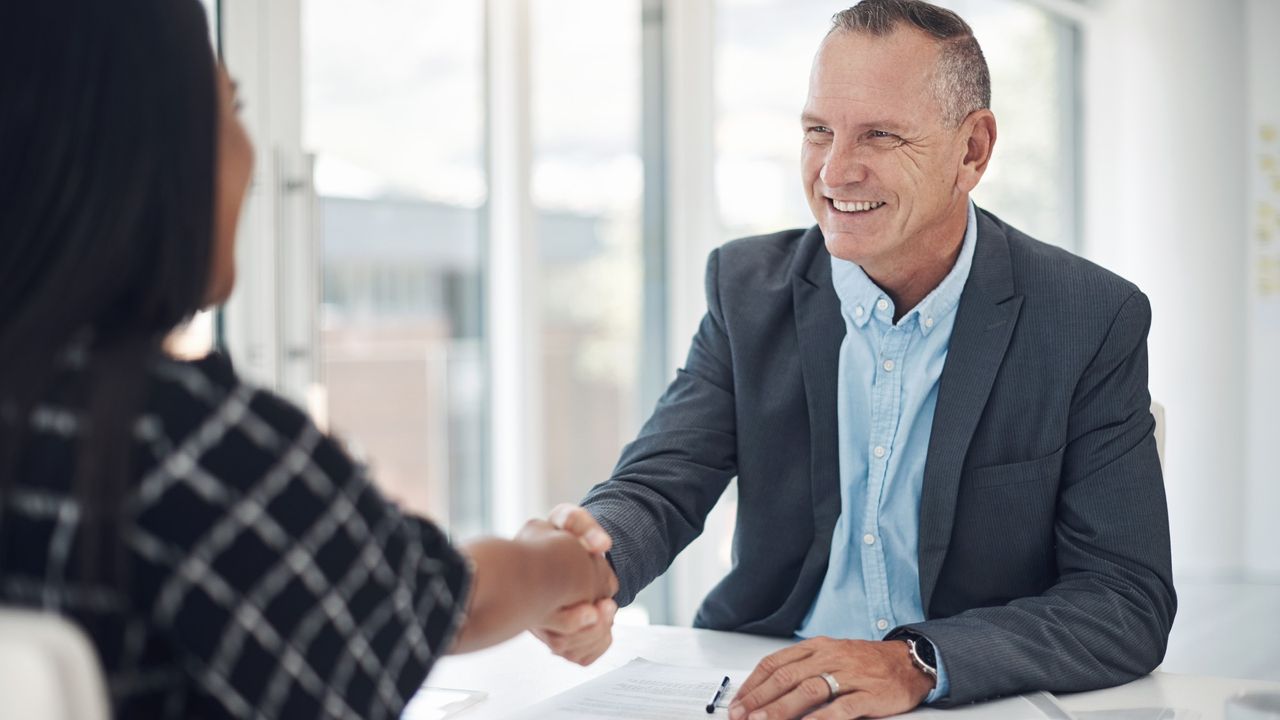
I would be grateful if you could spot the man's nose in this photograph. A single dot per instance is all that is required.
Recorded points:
(844, 165)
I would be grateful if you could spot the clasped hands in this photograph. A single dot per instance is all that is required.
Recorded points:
(867, 678)
(582, 631)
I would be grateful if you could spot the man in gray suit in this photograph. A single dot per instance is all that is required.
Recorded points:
(948, 481)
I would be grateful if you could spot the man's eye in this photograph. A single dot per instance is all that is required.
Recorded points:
(820, 129)
(882, 134)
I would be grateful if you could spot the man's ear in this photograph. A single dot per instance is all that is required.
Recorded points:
(979, 132)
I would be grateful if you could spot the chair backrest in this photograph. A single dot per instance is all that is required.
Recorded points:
(48, 669)
(1157, 411)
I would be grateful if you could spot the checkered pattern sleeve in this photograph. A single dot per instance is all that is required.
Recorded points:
(288, 586)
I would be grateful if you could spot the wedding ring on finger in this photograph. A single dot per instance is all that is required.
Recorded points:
(831, 684)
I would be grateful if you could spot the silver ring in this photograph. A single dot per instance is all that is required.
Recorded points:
(831, 684)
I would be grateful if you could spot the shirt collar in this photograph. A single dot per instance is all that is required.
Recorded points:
(860, 298)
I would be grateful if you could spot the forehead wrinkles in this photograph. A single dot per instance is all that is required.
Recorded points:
(860, 104)
(869, 78)
(846, 94)
(847, 105)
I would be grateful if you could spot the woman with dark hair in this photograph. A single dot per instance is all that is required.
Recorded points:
(226, 557)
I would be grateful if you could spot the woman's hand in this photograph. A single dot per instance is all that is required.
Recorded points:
(581, 632)
(545, 577)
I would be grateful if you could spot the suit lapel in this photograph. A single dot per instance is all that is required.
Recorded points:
(820, 330)
(985, 318)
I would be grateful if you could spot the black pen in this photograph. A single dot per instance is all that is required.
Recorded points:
(724, 685)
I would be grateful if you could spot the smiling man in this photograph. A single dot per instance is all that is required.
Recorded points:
(948, 482)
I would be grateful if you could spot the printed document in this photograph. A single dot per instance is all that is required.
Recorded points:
(644, 690)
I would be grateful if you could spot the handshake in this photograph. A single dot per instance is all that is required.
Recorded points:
(552, 579)
(581, 630)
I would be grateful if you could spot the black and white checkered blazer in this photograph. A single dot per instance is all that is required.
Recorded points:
(266, 576)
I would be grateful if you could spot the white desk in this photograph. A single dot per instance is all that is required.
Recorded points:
(522, 671)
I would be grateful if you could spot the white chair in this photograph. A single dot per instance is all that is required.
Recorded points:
(1157, 411)
(48, 669)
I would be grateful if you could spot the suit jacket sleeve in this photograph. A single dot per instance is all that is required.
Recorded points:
(1107, 618)
(669, 478)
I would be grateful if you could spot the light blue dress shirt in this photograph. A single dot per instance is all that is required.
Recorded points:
(887, 391)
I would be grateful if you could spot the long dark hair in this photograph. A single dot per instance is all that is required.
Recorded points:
(108, 147)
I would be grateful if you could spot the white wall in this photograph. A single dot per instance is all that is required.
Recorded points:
(1263, 488)
(1165, 188)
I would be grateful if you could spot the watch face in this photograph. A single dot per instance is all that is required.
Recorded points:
(924, 649)
(921, 647)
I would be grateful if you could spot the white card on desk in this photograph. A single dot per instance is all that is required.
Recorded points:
(1032, 706)
(432, 703)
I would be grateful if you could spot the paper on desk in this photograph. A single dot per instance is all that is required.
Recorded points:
(644, 690)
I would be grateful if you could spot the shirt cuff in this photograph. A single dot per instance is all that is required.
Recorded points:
(943, 686)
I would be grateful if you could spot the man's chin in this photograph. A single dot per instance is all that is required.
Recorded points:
(854, 247)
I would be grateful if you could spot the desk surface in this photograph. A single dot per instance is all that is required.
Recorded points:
(522, 671)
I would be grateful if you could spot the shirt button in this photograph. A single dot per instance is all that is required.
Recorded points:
(882, 624)
(928, 322)
(858, 311)
(882, 304)
(888, 366)
(879, 451)
(869, 539)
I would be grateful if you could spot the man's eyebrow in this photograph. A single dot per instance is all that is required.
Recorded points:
(891, 126)
(808, 118)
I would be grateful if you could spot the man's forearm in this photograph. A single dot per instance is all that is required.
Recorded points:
(635, 559)
(1078, 636)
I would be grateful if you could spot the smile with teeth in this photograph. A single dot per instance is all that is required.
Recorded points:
(852, 207)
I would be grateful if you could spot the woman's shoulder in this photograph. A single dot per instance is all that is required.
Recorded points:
(201, 413)
(189, 392)
(191, 385)
(257, 514)
(216, 451)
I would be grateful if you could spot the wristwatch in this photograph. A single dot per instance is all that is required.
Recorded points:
(921, 651)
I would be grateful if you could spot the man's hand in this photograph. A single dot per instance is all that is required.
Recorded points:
(876, 679)
(581, 633)
(595, 582)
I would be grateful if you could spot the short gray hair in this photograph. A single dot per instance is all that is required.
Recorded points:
(961, 82)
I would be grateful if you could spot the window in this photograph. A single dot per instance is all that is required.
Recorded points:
(587, 187)
(1032, 180)
(392, 107)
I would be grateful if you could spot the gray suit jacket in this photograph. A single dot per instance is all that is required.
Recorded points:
(1044, 540)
